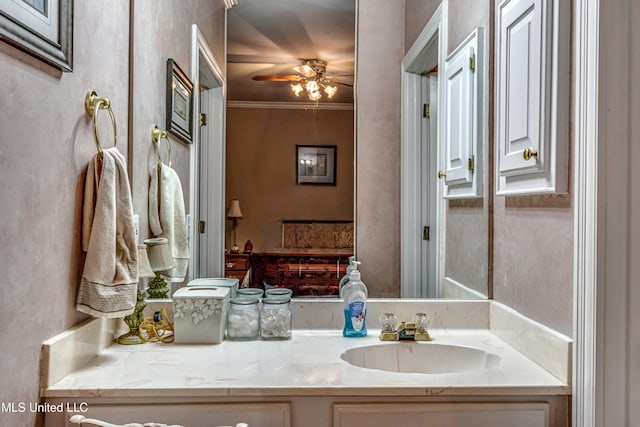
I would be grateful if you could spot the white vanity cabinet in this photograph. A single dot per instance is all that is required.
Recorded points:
(204, 414)
(534, 414)
(463, 129)
(532, 96)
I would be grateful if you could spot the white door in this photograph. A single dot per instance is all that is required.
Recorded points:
(207, 163)
(428, 184)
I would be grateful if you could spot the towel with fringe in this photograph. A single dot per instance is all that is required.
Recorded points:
(110, 277)
(167, 216)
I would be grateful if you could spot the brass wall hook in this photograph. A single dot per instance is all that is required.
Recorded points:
(93, 103)
(156, 135)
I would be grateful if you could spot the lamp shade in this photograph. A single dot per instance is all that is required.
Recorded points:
(159, 254)
(234, 210)
(144, 267)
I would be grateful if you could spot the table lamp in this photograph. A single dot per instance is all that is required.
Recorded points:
(234, 213)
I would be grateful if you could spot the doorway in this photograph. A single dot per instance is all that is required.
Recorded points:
(422, 207)
(206, 196)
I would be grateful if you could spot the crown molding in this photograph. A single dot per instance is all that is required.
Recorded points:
(290, 105)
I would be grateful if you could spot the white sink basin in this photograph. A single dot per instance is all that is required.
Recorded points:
(420, 357)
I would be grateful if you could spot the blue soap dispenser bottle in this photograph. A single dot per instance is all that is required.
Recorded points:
(354, 296)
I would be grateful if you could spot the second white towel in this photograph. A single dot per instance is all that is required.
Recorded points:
(167, 216)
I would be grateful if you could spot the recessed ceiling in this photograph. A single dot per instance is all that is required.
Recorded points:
(270, 37)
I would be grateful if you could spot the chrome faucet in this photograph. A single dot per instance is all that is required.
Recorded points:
(407, 331)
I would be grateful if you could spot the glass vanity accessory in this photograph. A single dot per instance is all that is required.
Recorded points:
(250, 292)
(278, 292)
(275, 318)
(422, 323)
(243, 321)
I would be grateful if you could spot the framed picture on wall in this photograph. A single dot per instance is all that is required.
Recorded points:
(179, 102)
(316, 164)
(42, 28)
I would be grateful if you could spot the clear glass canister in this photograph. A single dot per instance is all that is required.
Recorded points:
(244, 319)
(278, 292)
(250, 292)
(275, 318)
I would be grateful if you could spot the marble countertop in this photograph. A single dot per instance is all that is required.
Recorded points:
(308, 364)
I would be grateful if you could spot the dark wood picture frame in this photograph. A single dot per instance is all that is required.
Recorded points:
(179, 119)
(316, 164)
(41, 28)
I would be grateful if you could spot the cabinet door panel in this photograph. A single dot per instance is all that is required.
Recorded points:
(442, 414)
(463, 128)
(459, 118)
(532, 96)
(520, 90)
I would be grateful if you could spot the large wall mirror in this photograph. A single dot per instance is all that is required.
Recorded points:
(289, 187)
(290, 143)
(300, 235)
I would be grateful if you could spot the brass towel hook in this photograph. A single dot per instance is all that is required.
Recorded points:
(92, 104)
(156, 135)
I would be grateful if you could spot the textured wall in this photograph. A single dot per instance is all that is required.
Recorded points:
(171, 38)
(417, 14)
(261, 147)
(378, 145)
(46, 141)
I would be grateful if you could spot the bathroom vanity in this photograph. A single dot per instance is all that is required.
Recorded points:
(306, 382)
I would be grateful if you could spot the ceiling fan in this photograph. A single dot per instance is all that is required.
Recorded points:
(311, 78)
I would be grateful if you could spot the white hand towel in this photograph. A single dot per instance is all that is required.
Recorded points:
(110, 277)
(167, 216)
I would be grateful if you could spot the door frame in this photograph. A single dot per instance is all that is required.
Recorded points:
(411, 106)
(206, 252)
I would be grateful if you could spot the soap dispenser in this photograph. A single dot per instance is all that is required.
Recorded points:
(345, 278)
(355, 296)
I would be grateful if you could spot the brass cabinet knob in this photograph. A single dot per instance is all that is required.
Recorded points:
(529, 153)
(441, 174)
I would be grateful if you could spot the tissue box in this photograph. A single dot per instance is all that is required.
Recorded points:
(226, 282)
(200, 314)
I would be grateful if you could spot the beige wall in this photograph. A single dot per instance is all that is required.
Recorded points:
(261, 174)
(417, 14)
(378, 145)
(46, 141)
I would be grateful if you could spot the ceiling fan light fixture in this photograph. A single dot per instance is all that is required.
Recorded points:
(330, 91)
(296, 88)
(312, 86)
(314, 95)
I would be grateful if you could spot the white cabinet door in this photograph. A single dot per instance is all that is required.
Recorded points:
(532, 96)
(442, 415)
(265, 414)
(463, 125)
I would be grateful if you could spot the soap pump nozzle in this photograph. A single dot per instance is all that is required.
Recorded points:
(355, 273)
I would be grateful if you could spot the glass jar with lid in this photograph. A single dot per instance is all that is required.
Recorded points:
(275, 318)
(250, 292)
(244, 319)
(278, 292)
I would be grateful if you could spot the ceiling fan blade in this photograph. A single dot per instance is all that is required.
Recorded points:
(342, 84)
(305, 70)
(291, 78)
